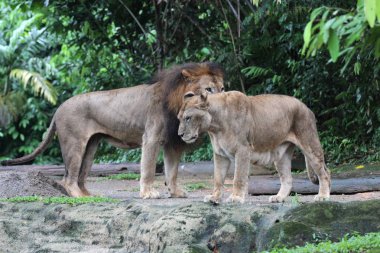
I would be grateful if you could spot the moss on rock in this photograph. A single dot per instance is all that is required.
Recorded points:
(324, 220)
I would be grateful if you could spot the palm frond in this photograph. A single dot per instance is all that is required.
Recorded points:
(256, 71)
(40, 85)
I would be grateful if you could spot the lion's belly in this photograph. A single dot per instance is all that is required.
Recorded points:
(125, 142)
(262, 158)
(269, 157)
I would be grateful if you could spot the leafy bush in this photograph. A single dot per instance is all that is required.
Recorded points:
(366, 243)
(84, 46)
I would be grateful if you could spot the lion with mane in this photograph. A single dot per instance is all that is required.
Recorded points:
(143, 115)
(261, 129)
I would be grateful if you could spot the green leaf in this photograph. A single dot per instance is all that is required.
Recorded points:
(255, 2)
(357, 67)
(370, 11)
(333, 46)
(307, 34)
(377, 48)
(378, 11)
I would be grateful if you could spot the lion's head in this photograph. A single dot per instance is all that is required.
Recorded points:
(193, 117)
(177, 81)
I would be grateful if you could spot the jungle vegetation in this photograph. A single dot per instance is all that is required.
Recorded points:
(325, 53)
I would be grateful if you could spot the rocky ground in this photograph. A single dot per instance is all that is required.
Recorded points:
(173, 225)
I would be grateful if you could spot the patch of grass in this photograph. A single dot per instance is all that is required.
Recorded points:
(369, 243)
(124, 176)
(196, 186)
(60, 200)
(22, 199)
(355, 168)
(295, 199)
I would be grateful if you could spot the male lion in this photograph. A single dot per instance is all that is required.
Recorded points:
(261, 129)
(144, 115)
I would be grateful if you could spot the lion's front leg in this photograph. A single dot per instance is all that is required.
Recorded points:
(221, 165)
(240, 185)
(171, 161)
(150, 150)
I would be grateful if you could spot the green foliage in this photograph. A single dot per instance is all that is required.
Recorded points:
(59, 200)
(124, 176)
(366, 243)
(347, 27)
(201, 153)
(196, 186)
(83, 46)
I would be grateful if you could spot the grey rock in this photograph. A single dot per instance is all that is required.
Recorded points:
(194, 227)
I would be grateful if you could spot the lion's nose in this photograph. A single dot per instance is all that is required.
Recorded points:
(181, 134)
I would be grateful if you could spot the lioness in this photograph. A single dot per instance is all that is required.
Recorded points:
(261, 129)
(144, 115)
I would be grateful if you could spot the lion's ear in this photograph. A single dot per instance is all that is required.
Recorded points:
(188, 95)
(186, 73)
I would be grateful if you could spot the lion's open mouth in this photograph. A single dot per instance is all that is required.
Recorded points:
(190, 140)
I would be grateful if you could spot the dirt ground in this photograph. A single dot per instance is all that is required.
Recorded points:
(23, 181)
(129, 189)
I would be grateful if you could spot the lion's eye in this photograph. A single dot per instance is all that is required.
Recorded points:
(187, 119)
(209, 89)
(222, 89)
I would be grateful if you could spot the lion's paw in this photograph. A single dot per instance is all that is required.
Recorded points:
(150, 194)
(276, 199)
(178, 193)
(235, 199)
(212, 199)
(321, 198)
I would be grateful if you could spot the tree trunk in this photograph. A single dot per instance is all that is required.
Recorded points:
(160, 38)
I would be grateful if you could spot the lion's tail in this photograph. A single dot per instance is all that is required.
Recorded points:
(38, 150)
(311, 173)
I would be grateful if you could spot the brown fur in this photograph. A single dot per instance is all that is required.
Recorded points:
(259, 129)
(144, 115)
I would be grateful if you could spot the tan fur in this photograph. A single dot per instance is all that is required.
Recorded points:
(260, 129)
(126, 118)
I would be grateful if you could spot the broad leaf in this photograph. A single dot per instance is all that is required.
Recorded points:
(370, 11)
(333, 46)
(307, 34)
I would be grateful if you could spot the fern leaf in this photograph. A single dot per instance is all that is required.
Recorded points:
(40, 85)
(255, 71)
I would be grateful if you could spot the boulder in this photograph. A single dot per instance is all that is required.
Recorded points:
(194, 227)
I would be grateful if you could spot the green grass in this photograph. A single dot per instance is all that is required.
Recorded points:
(356, 167)
(59, 200)
(124, 176)
(195, 186)
(369, 243)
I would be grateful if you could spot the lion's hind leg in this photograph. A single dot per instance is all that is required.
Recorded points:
(313, 177)
(315, 160)
(87, 162)
(283, 167)
(72, 151)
